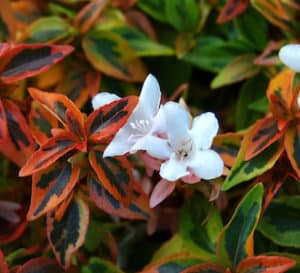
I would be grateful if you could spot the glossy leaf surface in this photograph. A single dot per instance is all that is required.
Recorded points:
(96, 265)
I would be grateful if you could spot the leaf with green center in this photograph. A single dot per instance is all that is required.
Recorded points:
(200, 225)
(109, 53)
(50, 187)
(97, 265)
(138, 207)
(88, 15)
(16, 142)
(243, 170)
(239, 69)
(292, 147)
(27, 60)
(66, 233)
(281, 221)
(105, 121)
(177, 264)
(274, 11)
(49, 30)
(235, 242)
(231, 10)
(58, 105)
(265, 133)
(114, 174)
(48, 153)
(141, 44)
(41, 122)
(183, 14)
(41, 265)
(265, 264)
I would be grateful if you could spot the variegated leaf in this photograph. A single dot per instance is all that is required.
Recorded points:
(114, 174)
(67, 233)
(108, 119)
(27, 60)
(138, 207)
(48, 153)
(41, 265)
(231, 10)
(50, 187)
(16, 141)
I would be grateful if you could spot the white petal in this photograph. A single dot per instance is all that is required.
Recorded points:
(177, 123)
(204, 129)
(290, 56)
(159, 125)
(150, 95)
(173, 169)
(155, 146)
(102, 99)
(298, 101)
(207, 164)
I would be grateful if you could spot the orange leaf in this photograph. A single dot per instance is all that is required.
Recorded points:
(232, 9)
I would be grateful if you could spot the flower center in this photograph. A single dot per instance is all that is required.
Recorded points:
(185, 150)
(143, 126)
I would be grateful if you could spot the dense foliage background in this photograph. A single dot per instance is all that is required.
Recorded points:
(68, 209)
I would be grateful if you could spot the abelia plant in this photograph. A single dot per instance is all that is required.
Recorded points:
(118, 154)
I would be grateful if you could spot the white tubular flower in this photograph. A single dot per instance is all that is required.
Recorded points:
(103, 98)
(140, 131)
(290, 56)
(190, 151)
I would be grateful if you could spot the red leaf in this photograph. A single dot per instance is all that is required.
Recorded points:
(264, 134)
(50, 187)
(27, 60)
(205, 268)
(67, 234)
(41, 264)
(3, 48)
(108, 119)
(265, 264)
(114, 174)
(16, 142)
(138, 207)
(232, 9)
(58, 104)
(3, 264)
(48, 153)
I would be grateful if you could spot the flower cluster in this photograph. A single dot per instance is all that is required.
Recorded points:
(167, 133)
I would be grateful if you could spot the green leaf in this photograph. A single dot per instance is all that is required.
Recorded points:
(281, 221)
(141, 44)
(239, 69)
(243, 171)
(253, 89)
(155, 8)
(49, 29)
(260, 105)
(109, 53)
(200, 225)
(253, 29)
(182, 14)
(213, 53)
(97, 265)
(235, 242)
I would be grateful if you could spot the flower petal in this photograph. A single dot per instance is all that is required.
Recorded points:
(290, 56)
(150, 95)
(103, 98)
(173, 169)
(155, 146)
(177, 123)
(161, 191)
(159, 125)
(204, 129)
(207, 164)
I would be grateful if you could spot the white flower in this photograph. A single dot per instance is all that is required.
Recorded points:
(141, 129)
(103, 98)
(290, 56)
(189, 151)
